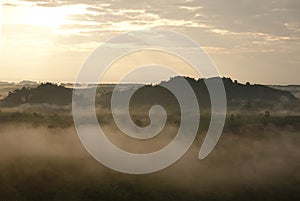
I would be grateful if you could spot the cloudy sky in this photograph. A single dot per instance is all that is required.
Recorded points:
(249, 40)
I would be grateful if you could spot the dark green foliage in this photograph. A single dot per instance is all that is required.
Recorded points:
(73, 177)
(239, 96)
(51, 121)
(251, 98)
(45, 93)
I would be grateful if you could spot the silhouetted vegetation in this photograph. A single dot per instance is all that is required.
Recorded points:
(257, 157)
(239, 96)
(44, 93)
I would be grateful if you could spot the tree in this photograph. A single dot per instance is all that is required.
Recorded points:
(267, 114)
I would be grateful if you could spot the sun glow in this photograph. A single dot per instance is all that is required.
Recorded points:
(50, 17)
(1, 16)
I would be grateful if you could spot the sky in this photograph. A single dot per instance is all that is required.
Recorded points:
(248, 40)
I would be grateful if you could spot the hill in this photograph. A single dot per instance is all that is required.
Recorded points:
(294, 89)
(239, 96)
(44, 93)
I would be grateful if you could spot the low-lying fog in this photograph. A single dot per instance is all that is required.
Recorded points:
(43, 161)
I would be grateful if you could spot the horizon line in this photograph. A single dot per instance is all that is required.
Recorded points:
(135, 83)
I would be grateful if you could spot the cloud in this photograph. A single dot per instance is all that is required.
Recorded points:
(233, 27)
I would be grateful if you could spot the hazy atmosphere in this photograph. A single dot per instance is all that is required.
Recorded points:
(251, 40)
(150, 100)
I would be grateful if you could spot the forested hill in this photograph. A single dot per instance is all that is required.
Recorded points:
(244, 95)
(239, 96)
(45, 93)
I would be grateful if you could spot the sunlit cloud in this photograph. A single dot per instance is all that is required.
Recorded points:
(231, 31)
(189, 8)
(292, 27)
(42, 16)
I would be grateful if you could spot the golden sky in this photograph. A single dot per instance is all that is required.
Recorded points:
(249, 40)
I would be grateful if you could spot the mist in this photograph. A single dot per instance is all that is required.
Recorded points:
(48, 160)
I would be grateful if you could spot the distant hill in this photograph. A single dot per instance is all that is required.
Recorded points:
(44, 93)
(3, 83)
(27, 82)
(239, 96)
(294, 89)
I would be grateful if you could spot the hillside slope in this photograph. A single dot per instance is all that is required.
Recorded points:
(239, 96)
